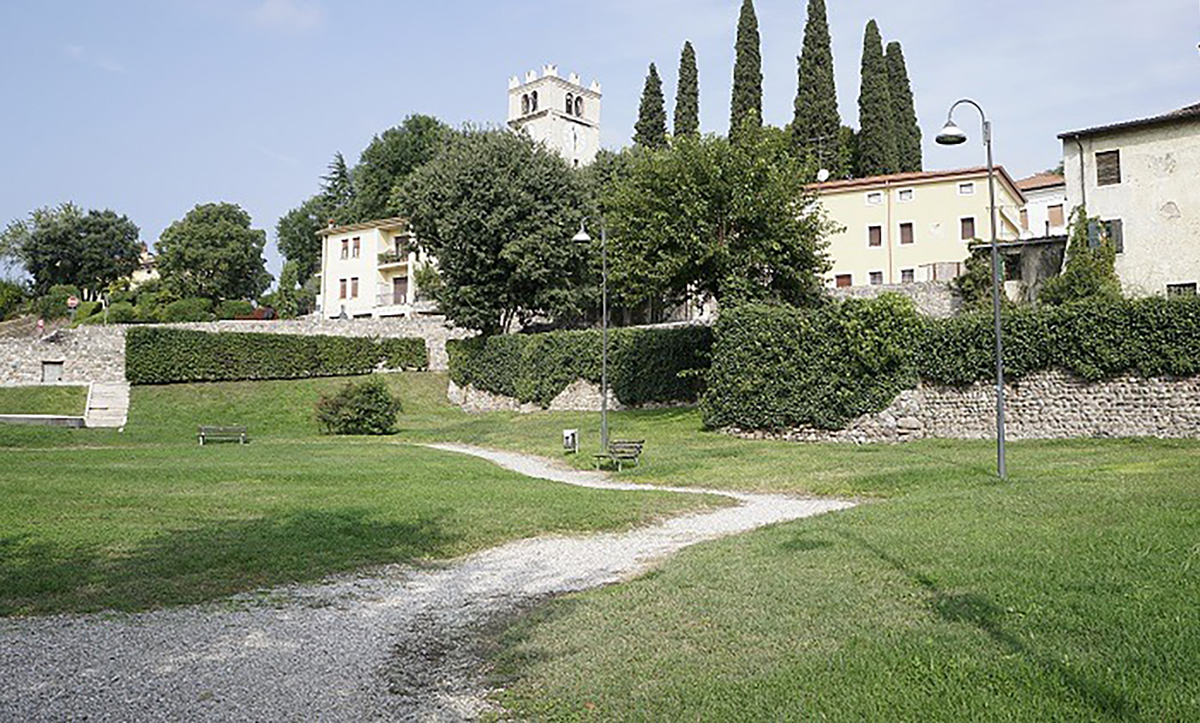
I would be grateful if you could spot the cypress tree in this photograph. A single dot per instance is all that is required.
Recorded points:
(650, 131)
(746, 103)
(876, 136)
(816, 125)
(687, 95)
(904, 111)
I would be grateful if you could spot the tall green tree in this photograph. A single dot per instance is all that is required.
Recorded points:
(65, 246)
(687, 94)
(650, 131)
(816, 125)
(708, 217)
(877, 153)
(1089, 270)
(904, 111)
(297, 239)
(388, 160)
(498, 212)
(746, 102)
(213, 253)
(337, 190)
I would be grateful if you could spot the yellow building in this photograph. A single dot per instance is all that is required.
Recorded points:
(367, 269)
(913, 227)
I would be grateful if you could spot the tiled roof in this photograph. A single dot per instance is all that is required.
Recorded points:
(1187, 113)
(395, 222)
(914, 177)
(1041, 180)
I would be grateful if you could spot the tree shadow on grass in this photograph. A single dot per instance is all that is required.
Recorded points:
(976, 610)
(209, 562)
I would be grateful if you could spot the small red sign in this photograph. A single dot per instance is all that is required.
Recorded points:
(72, 302)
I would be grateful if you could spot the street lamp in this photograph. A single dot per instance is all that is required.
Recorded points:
(583, 238)
(952, 135)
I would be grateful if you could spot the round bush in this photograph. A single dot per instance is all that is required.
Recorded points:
(191, 309)
(231, 309)
(367, 407)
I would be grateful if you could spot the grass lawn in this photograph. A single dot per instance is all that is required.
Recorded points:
(94, 519)
(63, 401)
(1067, 593)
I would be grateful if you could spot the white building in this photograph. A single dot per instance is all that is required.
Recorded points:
(1045, 212)
(368, 270)
(1141, 178)
(558, 112)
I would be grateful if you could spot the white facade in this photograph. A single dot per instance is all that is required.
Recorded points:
(559, 112)
(1143, 176)
(368, 270)
(1046, 212)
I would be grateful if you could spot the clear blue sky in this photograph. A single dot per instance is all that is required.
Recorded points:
(149, 107)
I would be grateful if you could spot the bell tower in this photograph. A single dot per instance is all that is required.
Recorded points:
(559, 112)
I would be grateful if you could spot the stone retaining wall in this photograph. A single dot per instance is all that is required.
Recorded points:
(933, 298)
(87, 354)
(1045, 405)
(579, 396)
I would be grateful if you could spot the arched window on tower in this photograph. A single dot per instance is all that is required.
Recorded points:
(570, 103)
(525, 104)
(533, 102)
(579, 106)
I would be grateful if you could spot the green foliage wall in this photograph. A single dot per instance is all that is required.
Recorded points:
(779, 367)
(645, 365)
(165, 356)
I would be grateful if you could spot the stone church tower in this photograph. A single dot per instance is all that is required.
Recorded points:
(558, 112)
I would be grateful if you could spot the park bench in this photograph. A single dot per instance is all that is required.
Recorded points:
(208, 433)
(620, 451)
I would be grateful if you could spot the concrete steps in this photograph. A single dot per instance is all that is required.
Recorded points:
(108, 405)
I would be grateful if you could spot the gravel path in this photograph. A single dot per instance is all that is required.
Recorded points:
(404, 644)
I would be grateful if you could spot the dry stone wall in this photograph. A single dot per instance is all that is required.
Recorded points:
(579, 396)
(1045, 405)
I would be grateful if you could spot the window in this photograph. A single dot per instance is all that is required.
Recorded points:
(967, 229)
(1055, 215)
(875, 198)
(525, 104)
(342, 287)
(1188, 289)
(345, 248)
(354, 249)
(533, 102)
(907, 276)
(354, 287)
(966, 189)
(904, 195)
(579, 105)
(570, 103)
(1108, 168)
(843, 280)
(876, 278)
(874, 235)
(906, 233)
(1025, 219)
(1115, 230)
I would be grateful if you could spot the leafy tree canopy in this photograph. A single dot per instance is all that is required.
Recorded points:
(706, 217)
(386, 162)
(877, 154)
(297, 239)
(213, 253)
(498, 212)
(904, 111)
(816, 124)
(65, 246)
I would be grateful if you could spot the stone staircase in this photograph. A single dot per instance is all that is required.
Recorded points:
(108, 405)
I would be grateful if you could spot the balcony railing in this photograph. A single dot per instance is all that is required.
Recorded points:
(388, 258)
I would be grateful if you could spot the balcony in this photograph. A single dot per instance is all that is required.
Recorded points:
(389, 259)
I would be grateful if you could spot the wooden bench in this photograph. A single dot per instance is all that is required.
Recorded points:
(222, 434)
(620, 451)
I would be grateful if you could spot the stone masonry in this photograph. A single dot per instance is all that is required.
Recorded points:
(933, 298)
(1045, 405)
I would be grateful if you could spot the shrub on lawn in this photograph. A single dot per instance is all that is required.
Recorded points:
(366, 407)
(645, 365)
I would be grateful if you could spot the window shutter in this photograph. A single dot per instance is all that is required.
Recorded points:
(1093, 234)
(1108, 168)
(1116, 234)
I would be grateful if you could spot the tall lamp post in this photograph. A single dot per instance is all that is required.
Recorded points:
(952, 135)
(583, 238)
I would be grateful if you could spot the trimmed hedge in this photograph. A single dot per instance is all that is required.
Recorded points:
(155, 355)
(645, 365)
(406, 353)
(775, 368)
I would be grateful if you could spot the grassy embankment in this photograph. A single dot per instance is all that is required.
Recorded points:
(64, 401)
